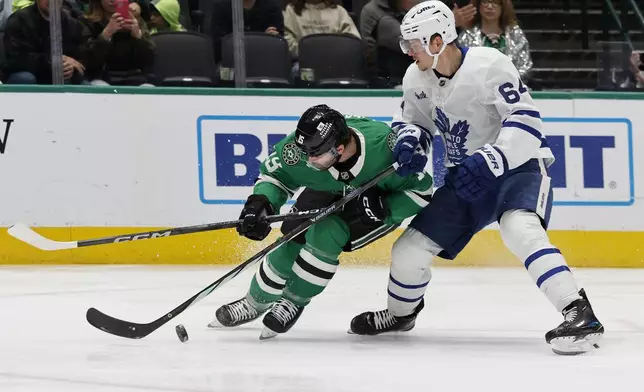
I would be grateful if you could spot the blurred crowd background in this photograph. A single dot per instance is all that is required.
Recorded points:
(555, 44)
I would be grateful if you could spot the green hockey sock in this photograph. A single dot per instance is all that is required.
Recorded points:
(271, 276)
(312, 272)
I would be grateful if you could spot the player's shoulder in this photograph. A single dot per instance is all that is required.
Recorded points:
(483, 53)
(413, 77)
(290, 138)
(482, 58)
(357, 121)
(288, 152)
(287, 147)
(377, 138)
(368, 126)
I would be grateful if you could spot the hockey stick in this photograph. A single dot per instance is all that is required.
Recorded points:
(25, 234)
(131, 330)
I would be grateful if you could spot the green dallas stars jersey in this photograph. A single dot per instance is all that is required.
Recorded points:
(285, 171)
(299, 271)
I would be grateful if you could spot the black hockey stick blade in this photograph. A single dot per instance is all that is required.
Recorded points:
(29, 236)
(132, 330)
(117, 327)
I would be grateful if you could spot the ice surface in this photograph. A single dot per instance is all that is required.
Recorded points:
(482, 329)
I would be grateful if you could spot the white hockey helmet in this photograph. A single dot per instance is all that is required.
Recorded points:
(424, 20)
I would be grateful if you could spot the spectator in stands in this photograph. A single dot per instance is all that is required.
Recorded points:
(135, 9)
(118, 50)
(637, 68)
(72, 6)
(20, 4)
(140, 9)
(259, 15)
(164, 16)
(306, 17)
(27, 46)
(463, 15)
(5, 12)
(496, 26)
(380, 30)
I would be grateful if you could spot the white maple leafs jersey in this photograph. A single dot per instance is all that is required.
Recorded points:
(484, 102)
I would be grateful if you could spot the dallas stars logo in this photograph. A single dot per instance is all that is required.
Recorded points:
(291, 154)
(391, 140)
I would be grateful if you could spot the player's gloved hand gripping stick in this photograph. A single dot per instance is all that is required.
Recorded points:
(131, 330)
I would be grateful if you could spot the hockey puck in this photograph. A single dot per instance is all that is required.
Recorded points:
(181, 333)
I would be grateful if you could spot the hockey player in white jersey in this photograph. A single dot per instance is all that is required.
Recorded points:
(497, 159)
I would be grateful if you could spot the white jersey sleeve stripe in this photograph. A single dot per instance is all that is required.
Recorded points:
(531, 113)
(522, 126)
(276, 182)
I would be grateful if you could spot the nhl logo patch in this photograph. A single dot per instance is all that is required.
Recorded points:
(391, 140)
(291, 154)
(344, 175)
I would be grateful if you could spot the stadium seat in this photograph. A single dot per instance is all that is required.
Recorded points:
(268, 61)
(184, 59)
(332, 61)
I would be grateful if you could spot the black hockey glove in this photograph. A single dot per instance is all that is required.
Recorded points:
(370, 208)
(254, 225)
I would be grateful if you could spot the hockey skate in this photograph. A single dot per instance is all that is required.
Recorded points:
(281, 318)
(236, 313)
(382, 321)
(580, 331)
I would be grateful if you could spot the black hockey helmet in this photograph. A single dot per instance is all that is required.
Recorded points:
(321, 129)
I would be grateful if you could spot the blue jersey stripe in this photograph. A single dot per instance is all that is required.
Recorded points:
(522, 126)
(531, 113)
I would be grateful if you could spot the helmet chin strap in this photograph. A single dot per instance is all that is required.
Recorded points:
(435, 56)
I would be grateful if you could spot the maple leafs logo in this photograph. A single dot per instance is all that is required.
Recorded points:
(455, 137)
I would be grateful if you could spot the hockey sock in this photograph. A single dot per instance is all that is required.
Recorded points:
(410, 272)
(526, 238)
(271, 276)
(312, 271)
(317, 261)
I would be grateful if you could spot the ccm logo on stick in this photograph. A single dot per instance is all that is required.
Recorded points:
(129, 238)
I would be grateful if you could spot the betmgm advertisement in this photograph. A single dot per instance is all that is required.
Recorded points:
(593, 157)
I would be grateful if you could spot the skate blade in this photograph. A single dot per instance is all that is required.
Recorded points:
(215, 324)
(267, 334)
(575, 346)
(399, 332)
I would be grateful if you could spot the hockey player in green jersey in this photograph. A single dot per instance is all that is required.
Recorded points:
(327, 155)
